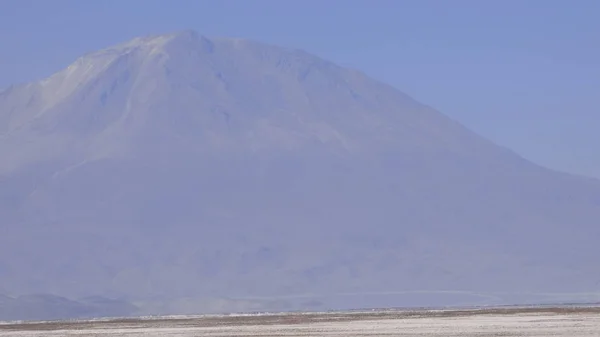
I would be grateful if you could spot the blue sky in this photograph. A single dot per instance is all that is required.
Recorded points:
(525, 74)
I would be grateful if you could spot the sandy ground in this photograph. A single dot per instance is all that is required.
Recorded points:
(542, 322)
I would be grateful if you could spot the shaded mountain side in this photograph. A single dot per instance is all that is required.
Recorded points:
(181, 167)
(388, 240)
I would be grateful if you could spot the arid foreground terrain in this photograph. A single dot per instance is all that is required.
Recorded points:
(477, 322)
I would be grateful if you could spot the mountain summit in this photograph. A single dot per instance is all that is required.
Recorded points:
(210, 174)
(225, 95)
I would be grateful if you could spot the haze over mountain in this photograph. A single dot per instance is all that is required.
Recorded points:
(187, 173)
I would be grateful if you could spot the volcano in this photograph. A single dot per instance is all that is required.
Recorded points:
(194, 174)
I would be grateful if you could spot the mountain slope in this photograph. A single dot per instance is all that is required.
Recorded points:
(178, 166)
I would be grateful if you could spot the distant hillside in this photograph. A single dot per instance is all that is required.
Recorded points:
(48, 307)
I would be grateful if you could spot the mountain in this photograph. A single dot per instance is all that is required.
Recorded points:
(186, 173)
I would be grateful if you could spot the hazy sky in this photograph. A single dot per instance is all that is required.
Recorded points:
(524, 73)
